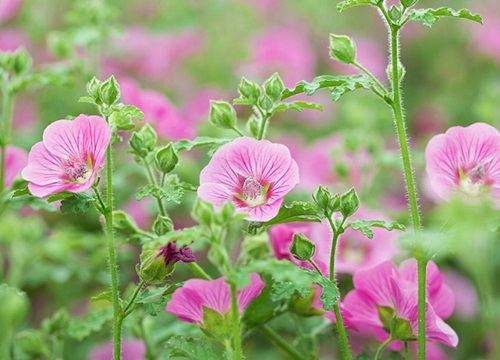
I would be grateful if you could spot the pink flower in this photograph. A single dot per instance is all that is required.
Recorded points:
(466, 297)
(15, 160)
(158, 110)
(131, 350)
(9, 8)
(255, 175)
(188, 302)
(68, 157)
(465, 160)
(395, 290)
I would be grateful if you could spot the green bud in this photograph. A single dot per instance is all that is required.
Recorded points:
(385, 314)
(166, 159)
(121, 121)
(408, 3)
(60, 45)
(273, 87)
(33, 343)
(349, 203)
(401, 71)
(222, 115)
(93, 87)
(203, 212)
(153, 269)
(266, 103)
(302, 248)
(395, 13)
(124, 224)
(326, 201)
(15, 306)
(162, 225)
(249, 90)
(215, 325)
(304, 306)
(21, 62)
(253, 125)
(109, 91)
(342, 49)
(143, 141)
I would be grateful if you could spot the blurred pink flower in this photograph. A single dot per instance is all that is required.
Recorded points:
(255, 175)
(25, 114)
(264, 5)
(15, 160)
(131, 350)
(485, 38)
(197, 108)
(466, 298)
(189, 301)
(465, 160)
(157, 110)
(9, 9)
(396, 290)
(71, 153)
(12, 39)
(152, 56)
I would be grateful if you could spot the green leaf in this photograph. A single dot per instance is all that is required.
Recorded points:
(86, 99)
(102, 296)
(297, 211)
(201, 141)
(172, 191)
(428, 17)
(262, 308)
(154, 300)
(297, 106)
(350, 3)
(365, 225)
(78, 203)
(20, 192)
(330, 292)
(191, 348)
(339, 85)
(79, 329)
(60, 196)
(31, 201)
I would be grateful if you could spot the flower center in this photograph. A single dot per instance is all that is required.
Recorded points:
(254, 194)
(352, 251)
(78, 172)
(473, 182)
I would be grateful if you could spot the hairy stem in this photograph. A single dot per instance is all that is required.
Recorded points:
(152, 179)
(263, 125)
(132, 299)
(281, 343)
(236, 324)
(382, 347)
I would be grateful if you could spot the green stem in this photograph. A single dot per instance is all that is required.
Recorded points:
(7, 100)
(397, 107)
(229, 349)
(382, 347)
(134, 296)
(113, 264)
(281, 343)
(99, 199)
(199, 271)
(263, 125)
(371, 76)
(236, 324)
(152, 179)
(238, 131)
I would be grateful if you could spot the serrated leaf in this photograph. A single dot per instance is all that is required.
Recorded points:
(330, 292)
(297, 211)
(242, 101)
(428, 17)
(155, 300)
(339, 85)
(365, 225)
(191, 348)
(60, 196)
(78, 203)
(132, 111)
(201, 141)
(297, 106)
(20, 192)
(350, 3)
(79, 329)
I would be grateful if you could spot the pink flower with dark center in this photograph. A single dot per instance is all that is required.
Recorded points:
(255, 175)
(189, 301)
(15, 160)
(465, 160)
(385, 292)
(71, 153)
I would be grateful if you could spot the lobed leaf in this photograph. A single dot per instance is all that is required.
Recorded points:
(297, 211)
(364, 226)
(428, 17)
(191, 348)
(350, 3)
(297, 106)
(201, 141)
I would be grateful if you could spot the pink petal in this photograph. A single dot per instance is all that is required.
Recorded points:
(43, 166)
(262, 212)
(376, 282)
(15, 160)
(187, 304)
(214, 294)
(215, 194)
(250, 292)
(363, 310)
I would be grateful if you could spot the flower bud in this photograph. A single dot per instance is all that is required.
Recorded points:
(203, 212)
(408, 3)
(109, 91)
(166, 159)
(273, 87)
(152, 269)
(143, 141)
(93, 87)
(349, 203)
(395, 13)
(162, 225)
(326, 201)
(222, 115)
(21, 62)
(253, 125)
(302, 248)
(266, 102)
(249, 90)
(342, 49)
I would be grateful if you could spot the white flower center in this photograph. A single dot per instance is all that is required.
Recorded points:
(253, 192)
(78, 171)
(352, 251)
(473, 183)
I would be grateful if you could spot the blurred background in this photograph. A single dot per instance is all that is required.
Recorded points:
(170, 58)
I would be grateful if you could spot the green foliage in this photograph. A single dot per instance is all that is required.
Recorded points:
(263, 308)
(154, 300)
(350, 3)
(365, 225)
(338, 85)
(172, 191)
(273, 87)
(166, 159)
(143, 141)
(94, 321)
(349, 203)
(302, 248)
(222, 115)
(191, 348)
(77, 203)
(326, 201)
(297, 106)
(33, 202)
(428, 17)
(342, 49)
(202, 141)
(109, 91)
(297, 211)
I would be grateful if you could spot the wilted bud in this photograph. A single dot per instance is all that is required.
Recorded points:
(222, 115)
(302, 248)
(166, 159)
(274, 87)
(349, 203)
(109, 91)
(342, 49)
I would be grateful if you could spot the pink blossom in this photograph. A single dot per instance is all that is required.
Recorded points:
(158, 110)
(466, 297)
(188, 302)
(9, 9)
(68, 158)
(130, 350)
(15, 160)
(255, 175)
(465, 160)
(485, 38)
(396, 289)
(12, 39)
